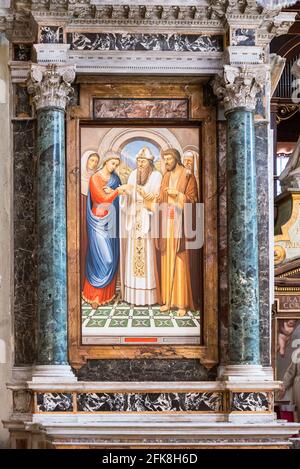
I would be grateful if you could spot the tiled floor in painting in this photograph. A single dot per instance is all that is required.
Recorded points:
(117, 320)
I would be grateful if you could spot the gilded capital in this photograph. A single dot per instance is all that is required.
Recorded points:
(238, 86)
(51, 85)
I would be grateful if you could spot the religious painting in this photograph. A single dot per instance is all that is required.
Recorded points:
(106, 108)
(140, 235)
(287, 355)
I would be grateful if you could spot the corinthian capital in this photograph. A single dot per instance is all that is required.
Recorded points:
(51, 85)
(238, 86)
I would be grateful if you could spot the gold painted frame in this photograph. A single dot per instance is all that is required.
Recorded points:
(193, 90)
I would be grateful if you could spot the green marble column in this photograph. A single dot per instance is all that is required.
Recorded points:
(237, 88)
(51, 87)
(243, 279)
(51, 230)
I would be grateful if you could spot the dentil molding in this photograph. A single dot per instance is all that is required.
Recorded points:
(23, 16)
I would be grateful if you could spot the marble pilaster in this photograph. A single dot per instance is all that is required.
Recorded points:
(24, 238)
(264, 192)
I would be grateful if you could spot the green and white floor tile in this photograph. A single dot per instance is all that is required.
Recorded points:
(112, 323)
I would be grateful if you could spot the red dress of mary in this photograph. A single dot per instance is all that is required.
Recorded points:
(101, 203)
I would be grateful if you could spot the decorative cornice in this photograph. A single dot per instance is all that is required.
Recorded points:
(237, 87)
(51, 85)
(214, 14)
(18, 26)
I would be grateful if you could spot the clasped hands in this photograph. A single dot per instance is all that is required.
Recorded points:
(124, 189)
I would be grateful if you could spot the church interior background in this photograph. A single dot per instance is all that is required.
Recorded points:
(129, 341)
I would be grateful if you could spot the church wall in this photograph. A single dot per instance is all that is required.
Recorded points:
(6, 256)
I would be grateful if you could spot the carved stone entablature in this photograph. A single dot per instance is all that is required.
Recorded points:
(278, 24)
(104, 12)
(273, 24)
(144, 42)
(217, 9)
(137, 12)
(130, 62)
(51, 85)
(18, 26)
(211, 16)
(237, 87)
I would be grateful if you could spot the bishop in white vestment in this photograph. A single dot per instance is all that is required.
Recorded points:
(138, 270)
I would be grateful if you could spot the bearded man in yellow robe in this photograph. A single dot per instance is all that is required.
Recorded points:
(178, 189)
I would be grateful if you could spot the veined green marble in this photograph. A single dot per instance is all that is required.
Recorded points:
(242, 239)
(51, 228)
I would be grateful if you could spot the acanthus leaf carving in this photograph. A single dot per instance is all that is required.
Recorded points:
(238, 86)
(51, 85)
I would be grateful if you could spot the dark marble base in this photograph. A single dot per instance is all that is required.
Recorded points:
(145, 370)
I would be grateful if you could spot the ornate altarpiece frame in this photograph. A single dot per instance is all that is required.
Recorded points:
(199, 111)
